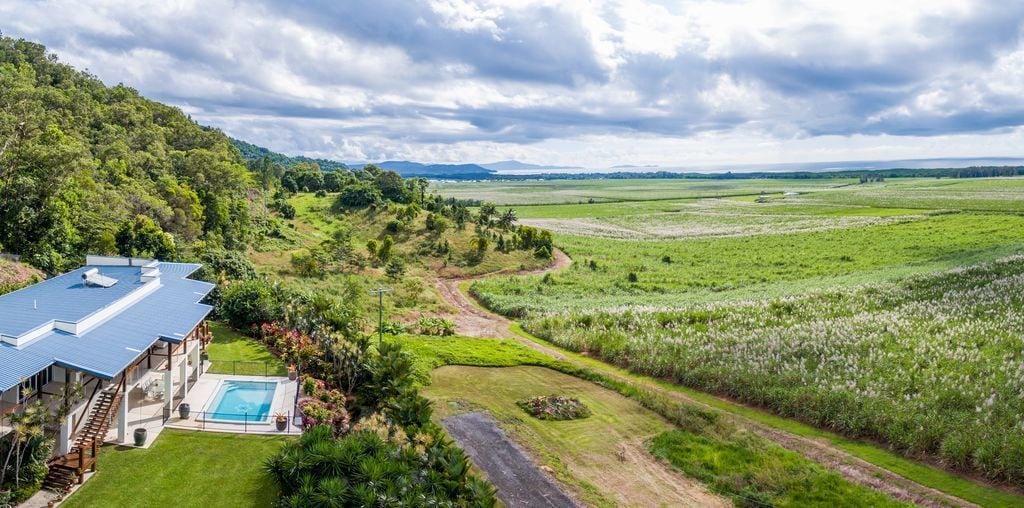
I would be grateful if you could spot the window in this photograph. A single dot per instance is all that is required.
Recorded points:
(34, 384)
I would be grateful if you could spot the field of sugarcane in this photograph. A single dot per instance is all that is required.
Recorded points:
(933, 365)
(892, 311)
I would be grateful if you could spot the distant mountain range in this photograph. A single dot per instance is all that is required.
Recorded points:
(407, 169)
(454, 171)
(514, 169)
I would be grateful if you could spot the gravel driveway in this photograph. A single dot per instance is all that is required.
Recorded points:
(508, 468)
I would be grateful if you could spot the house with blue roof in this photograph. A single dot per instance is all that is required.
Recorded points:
(97, 342)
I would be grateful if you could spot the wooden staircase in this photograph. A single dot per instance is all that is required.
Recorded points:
(71, 468)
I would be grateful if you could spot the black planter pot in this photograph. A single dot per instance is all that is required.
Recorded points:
(184, 410)
(140, 437)
(282, 424)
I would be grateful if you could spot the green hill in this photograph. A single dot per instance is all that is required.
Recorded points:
(251, 153)
(80, 161)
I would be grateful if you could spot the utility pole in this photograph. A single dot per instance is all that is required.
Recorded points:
(380, 312)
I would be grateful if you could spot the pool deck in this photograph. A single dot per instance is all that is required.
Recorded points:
(205, 390)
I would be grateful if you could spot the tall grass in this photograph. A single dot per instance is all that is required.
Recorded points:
(933, 365)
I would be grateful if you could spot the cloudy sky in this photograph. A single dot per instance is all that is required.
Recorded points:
(566, 82)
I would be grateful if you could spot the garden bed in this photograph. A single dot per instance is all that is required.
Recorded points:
(554, 407)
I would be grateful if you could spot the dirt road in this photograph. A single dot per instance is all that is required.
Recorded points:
(475, 322)
(470, 319)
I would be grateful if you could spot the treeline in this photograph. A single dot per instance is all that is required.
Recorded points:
(866, 174)
(87, 168)
(251, 152)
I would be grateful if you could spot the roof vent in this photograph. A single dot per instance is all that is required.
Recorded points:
(92, 277)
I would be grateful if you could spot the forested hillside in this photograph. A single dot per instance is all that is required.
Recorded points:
(87, 168)
(251, 152)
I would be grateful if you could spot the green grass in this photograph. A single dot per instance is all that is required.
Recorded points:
(234, 353)
(740, 470)
(434, 352)
(182, 468)
(581, 191)
(766, 265)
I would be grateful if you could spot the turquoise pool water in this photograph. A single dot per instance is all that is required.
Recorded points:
(242, 401)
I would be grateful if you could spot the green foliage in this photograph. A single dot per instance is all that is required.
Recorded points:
(80, 159)
(384, 251)
(359, 195)
(141, 237)
(24, 452)
(376, 466)
(220, 264)
(435, 326)
(395, 269)
(310, 263)
(251, 302)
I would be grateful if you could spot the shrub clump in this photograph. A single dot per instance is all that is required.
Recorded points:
(554, 407)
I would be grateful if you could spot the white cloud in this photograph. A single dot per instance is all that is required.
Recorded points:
(577, 82)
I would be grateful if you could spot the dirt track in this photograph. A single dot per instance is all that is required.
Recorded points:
(473, 321)
(509, 469)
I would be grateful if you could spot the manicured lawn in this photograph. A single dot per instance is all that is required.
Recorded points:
(184, 468)
(252, 357)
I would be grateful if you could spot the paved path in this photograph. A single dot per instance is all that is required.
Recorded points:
(508, 468)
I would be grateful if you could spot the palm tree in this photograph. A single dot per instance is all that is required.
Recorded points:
(507, 219)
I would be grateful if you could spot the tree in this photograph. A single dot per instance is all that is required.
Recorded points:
(507, 219)
(391, 186)
(395, 269)
(384, 250)
(486, 213)
(358, 195)
(143, 238)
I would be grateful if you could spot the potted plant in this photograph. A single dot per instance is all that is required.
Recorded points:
(140, 436)
(292, 373)
(204, 356)
(281, 419)
(184, 410)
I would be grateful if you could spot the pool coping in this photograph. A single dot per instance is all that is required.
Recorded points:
(217, 393)
(205, 390)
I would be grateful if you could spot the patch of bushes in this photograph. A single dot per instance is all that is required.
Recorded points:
(436, 326)
(554, 407)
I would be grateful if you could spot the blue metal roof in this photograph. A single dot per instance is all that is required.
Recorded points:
(170, 312)
(63, 298)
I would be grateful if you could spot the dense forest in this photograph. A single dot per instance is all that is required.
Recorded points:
(89, 168)
(251, 152)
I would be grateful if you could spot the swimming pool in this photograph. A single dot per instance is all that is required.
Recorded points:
(242, 401)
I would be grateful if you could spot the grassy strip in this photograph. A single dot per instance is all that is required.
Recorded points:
(754, 474)
(231, 346)
(718, 434)
(184, 469)
(923, 474)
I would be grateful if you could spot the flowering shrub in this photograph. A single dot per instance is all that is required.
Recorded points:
(323, 407)
(290, 345)
(932, 365)
(554, 407)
